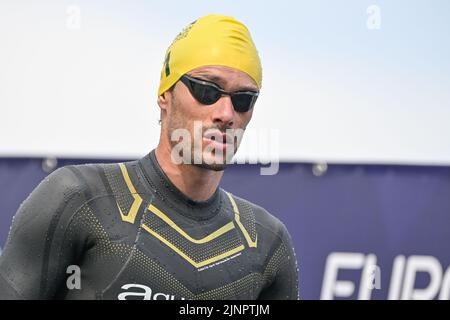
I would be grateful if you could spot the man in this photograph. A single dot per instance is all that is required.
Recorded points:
(160, 227)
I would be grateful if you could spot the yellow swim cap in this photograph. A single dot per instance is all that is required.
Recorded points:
(211, 40)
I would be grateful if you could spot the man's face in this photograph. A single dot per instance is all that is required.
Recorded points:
(215, 130)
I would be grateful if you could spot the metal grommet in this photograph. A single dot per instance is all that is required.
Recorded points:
(49, 164)
(319, 169)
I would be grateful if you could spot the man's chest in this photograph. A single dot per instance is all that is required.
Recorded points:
(164, 259)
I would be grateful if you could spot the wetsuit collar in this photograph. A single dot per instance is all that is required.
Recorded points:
(168, 192)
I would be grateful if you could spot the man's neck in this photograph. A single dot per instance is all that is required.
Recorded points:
(197, 183)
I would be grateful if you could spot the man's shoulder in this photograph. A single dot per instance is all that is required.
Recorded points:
(62, 191)
(73, 177)
(88, 179)
(62, 180)
(261, 216)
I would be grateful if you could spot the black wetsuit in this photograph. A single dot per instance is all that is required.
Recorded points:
(134, 235)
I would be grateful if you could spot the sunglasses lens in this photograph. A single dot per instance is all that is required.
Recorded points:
(209, 94)
(243, 102)
(204, 93)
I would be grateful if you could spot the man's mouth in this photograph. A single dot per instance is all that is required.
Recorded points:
(218, 140)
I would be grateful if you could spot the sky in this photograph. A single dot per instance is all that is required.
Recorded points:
(343, 81)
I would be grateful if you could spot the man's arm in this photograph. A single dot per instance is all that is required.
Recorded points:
(37, 251)
(282, 268)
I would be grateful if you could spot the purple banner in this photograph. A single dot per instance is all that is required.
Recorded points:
(360, 231)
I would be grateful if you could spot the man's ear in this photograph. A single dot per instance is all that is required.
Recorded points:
(163, 100)
(165, 103)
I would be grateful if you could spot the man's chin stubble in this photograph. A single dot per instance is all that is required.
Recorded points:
(213, 166)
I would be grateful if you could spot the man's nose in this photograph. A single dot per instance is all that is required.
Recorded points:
(223, 111)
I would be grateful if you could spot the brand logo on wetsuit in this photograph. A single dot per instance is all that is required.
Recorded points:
(141, 292)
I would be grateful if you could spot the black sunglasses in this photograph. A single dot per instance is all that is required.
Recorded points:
(208, 93)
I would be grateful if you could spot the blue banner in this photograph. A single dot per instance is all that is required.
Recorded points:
(360, 231)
